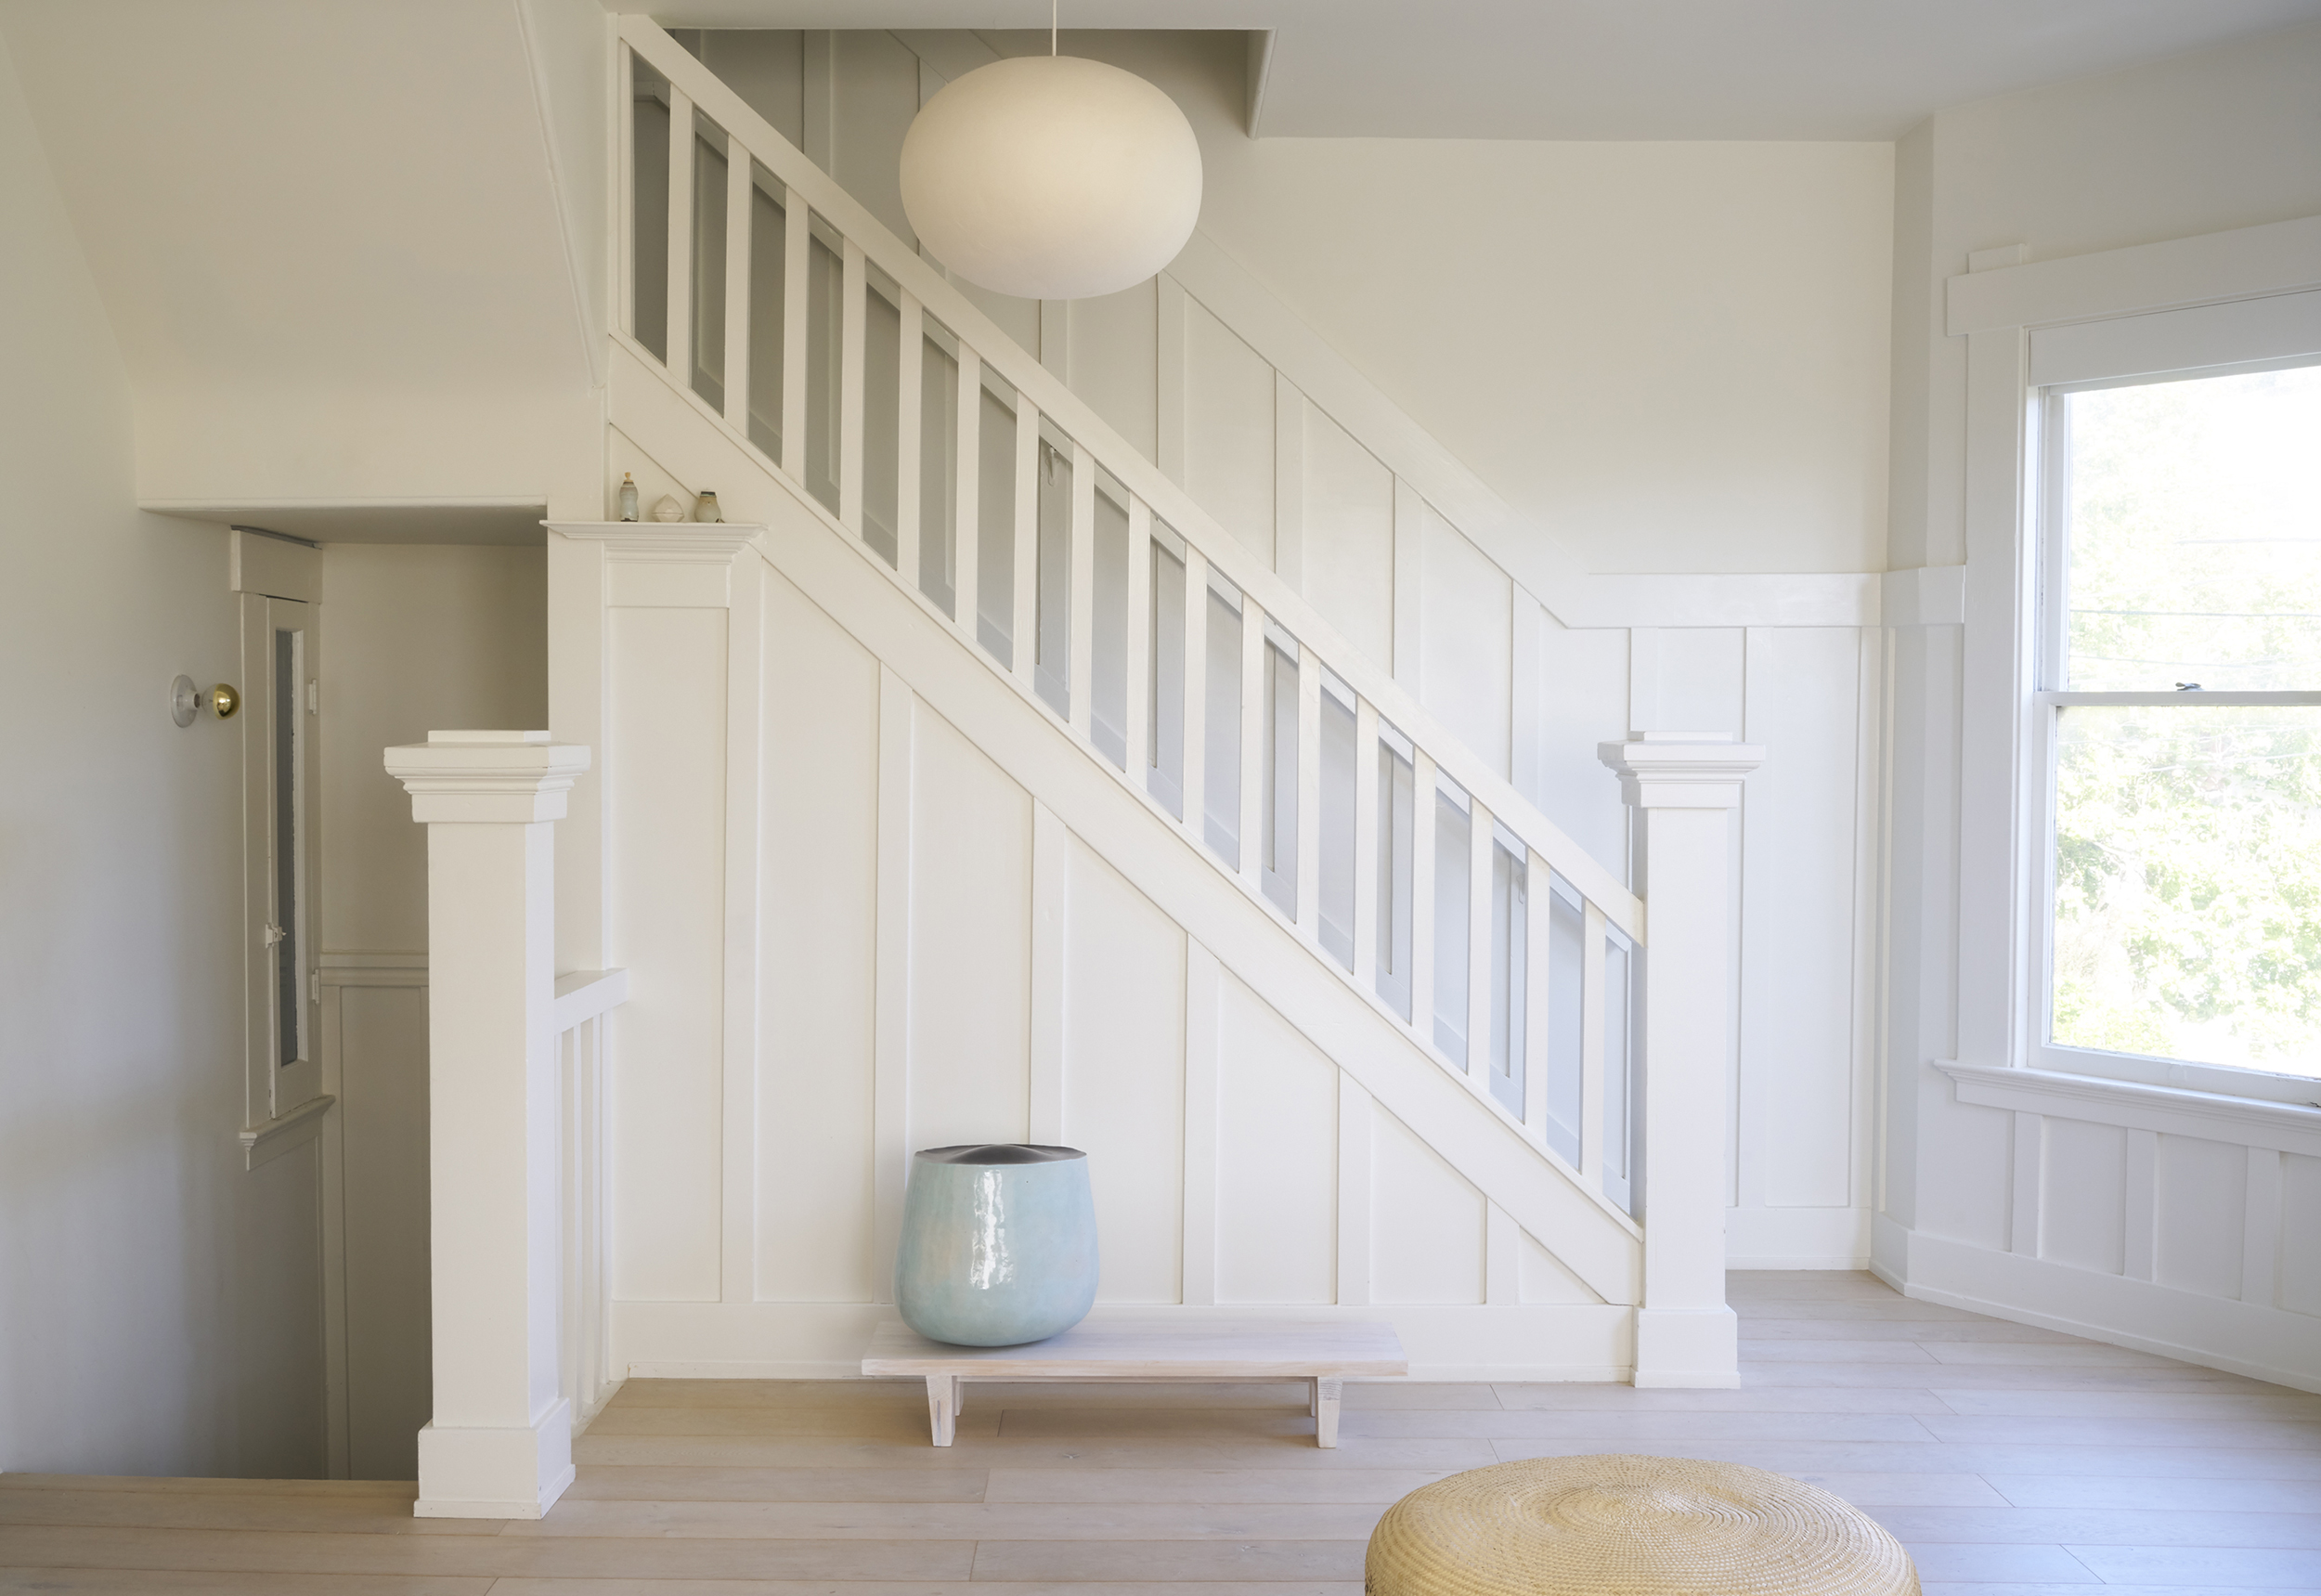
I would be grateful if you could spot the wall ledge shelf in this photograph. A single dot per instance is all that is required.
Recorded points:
(2174, 1110)
(293, 1127)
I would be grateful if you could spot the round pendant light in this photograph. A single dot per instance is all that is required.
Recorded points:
(1051, 177)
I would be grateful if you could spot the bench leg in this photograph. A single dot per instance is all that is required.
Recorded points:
(1326, 1393)
(942, 1406)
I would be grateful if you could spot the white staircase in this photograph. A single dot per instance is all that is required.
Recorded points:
(972, 784)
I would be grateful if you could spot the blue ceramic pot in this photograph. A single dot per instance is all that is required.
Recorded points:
(999, 1244)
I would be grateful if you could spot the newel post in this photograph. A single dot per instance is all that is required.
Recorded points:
(500, 1441)
(1684, 785)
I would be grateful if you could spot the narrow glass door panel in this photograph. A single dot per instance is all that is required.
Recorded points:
(1164, 758)
(1107, 706)
(1619, 1076)
(1335, 890)
(1510, 917)
(996, 527)
(708, 251)
(769, 308)
(648, 264)
(882, 414)
(287, 931)
(1397, 826)
(1452, 895)
(939, 477)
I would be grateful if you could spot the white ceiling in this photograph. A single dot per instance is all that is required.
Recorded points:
(1612, 69)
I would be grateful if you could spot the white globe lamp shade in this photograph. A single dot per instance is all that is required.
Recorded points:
(1051, 177)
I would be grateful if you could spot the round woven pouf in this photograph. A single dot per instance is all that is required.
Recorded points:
(1616, 1526)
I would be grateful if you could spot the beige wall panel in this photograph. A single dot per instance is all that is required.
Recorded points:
(1124, 1075)
(970, 943)
(1276, 1157)
(1350, 537)
(1466, 641)
(2300, 1221)
(2198, 1202)
(1426, 1222)
(276, 1350)
(1115, 342)
(1229, 430)
(2083, 1198)
(1799, 1103)
(415, 637)
(765, 66)
(820, 857)
(665, 902)
(1541, 1276)
(382, 1090)
(1583, 701)
(878, 94)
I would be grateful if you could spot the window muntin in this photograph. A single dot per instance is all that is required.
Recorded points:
(2180, 730)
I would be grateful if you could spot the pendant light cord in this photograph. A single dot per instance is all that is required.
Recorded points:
(1053, 6)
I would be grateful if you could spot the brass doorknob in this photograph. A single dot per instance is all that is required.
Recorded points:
(225, 700)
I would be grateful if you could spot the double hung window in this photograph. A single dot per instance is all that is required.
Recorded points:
(2175, 742)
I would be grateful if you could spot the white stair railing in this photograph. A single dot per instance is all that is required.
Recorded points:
(797, 323)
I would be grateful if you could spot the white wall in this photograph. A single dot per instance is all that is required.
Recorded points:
(2220, 139)
(161, 1305)
(415, 637)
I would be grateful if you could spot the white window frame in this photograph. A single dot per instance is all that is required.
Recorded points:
(2239, 300)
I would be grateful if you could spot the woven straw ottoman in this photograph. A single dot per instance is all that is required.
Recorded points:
(1630, 1526)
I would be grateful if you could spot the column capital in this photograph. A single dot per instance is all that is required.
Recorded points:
(1682, 770)
(511, 777)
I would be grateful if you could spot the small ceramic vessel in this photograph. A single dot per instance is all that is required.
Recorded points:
(999, 1244)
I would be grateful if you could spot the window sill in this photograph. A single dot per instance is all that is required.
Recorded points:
(2245, 1121)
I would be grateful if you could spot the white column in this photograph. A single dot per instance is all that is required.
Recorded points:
(1684, 785)
(500, 1441)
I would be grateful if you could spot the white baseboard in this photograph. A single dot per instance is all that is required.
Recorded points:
(2218, 1332)
(1796, 1237)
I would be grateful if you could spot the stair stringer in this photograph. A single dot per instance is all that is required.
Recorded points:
(1580, 1229)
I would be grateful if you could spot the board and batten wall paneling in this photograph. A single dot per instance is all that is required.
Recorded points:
(1276, 1157)
(1466, 641)
(813, 1187)
(1229, 429)
(1802, 1086)
(2301, 1216)
(1426, 1222)
(1123, 1074)
(381, 1088)
(1113, 344)
(970, 943)
(1583, 701)
(2082, 1200)
(665, 902)
(1541, 1276)
(2200, 1206)
(1348, 565)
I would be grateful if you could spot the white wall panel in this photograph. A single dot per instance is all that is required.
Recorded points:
(1229, 430)
(666, 908)
(1584, 702)
(818, 958)
(2083, 1191)
(1124, 1075)
(1801, 1081)
(1114, 345)
(1702, 670)
(1349, 562)
(1466, 641)
(1426, 1222)
(2301, 1224)
(877, 84)
(2200, 1200)
(1541, 1276)
(1276, 1157)
(382, 1170)
(970, 943)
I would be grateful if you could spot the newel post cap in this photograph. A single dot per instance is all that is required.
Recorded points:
(512, 777)
(1682, 770)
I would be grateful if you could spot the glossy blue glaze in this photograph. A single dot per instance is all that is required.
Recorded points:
(999, 1244)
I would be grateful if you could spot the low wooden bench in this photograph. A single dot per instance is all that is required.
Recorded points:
(1321, 1353)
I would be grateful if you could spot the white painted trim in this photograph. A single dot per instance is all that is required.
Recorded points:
(582, 995)
(1930, 595)
(290, 1128)
(2278, 257)
(1199, 1273)
(569, 227)
(2244, 1121)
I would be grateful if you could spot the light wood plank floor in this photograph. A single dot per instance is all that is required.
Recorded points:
(2012, 1462)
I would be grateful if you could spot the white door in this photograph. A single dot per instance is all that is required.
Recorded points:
(281, 664)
